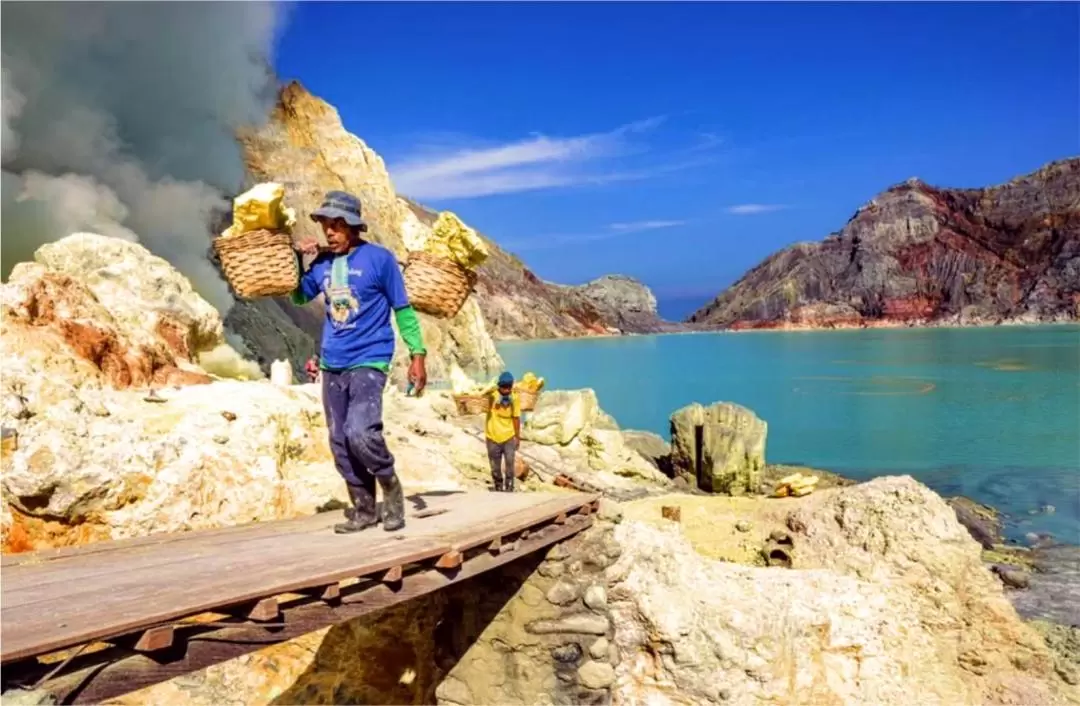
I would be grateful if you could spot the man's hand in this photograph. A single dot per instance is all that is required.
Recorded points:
(418, 374)
(517, 442)
(307, 246)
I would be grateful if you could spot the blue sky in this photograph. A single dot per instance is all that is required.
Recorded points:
(681, 143)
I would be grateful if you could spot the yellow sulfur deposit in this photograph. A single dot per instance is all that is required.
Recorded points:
(530, 382)
(462, 384)
(796, 484)
(261, 208)
(453, 240)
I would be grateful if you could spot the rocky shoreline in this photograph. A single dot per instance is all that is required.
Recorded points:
(785, 326)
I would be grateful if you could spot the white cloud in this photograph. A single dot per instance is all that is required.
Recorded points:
(638, 226)
(613, 230)
(753, 209)
(536, 162)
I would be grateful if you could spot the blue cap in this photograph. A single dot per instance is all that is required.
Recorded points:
(506, 379)
(339, 204)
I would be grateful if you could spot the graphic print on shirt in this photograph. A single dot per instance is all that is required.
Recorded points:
(340, 299)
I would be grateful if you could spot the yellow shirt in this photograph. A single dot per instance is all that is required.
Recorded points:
(500, 419)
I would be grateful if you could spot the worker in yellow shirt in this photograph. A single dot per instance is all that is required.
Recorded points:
(503, 432)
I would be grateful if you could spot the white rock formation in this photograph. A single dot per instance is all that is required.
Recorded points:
(888, 604)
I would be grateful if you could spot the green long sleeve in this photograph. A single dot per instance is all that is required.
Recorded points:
(307, 289)
(409, 327)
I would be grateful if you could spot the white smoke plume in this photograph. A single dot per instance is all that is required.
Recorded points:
(119, 118)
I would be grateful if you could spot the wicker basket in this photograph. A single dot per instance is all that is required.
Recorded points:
(472, 404)
(527, 398)
(436, 285)
(260, 263)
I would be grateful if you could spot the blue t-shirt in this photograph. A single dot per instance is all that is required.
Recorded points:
(357, 329)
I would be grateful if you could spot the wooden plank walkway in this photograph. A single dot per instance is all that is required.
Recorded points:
(132, 593)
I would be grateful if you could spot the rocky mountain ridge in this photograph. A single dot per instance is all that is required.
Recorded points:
(517, 304)
(921, 255)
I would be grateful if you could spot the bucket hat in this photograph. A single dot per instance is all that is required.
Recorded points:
(339, 204)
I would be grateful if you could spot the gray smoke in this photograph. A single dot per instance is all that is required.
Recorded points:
(119, 118)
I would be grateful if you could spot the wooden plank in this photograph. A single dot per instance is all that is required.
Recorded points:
(418, 506)
(36, 628)
(393, 574)
(37, 620)
(130, 674)
(484, 532)
(77, 575)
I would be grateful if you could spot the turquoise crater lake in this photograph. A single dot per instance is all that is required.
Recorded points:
(990, 413)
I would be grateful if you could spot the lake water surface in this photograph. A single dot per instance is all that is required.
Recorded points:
(991, 413)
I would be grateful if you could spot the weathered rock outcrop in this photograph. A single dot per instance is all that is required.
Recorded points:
(573, 433)
(887, 603)
(920, 254)
(719, 448)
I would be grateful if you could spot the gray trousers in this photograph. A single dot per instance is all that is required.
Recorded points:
(497, 453)
(353, 403)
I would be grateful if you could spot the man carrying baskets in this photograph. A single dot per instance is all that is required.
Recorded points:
(362, 284)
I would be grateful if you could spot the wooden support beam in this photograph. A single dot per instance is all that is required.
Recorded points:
(330, 592)
(392, 575)
(155, 639)
(102, 676)
(496, 545)
(560, 519)
(264, 610)
(450, 560)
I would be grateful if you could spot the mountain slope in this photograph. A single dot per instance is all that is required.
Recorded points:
(517, 304)
(918, 254)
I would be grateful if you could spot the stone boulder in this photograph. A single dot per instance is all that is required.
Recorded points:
(141, 291)
(652, 448)
(560, 416)
(720, 448)
(983, 522)
(576, 436)
(887, 603)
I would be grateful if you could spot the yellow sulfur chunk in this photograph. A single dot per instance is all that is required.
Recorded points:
(453, 240)
(462, 384)
(261, 207)
(530, 382)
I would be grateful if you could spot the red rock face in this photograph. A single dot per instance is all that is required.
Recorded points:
(919, 254)
(58, 303)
